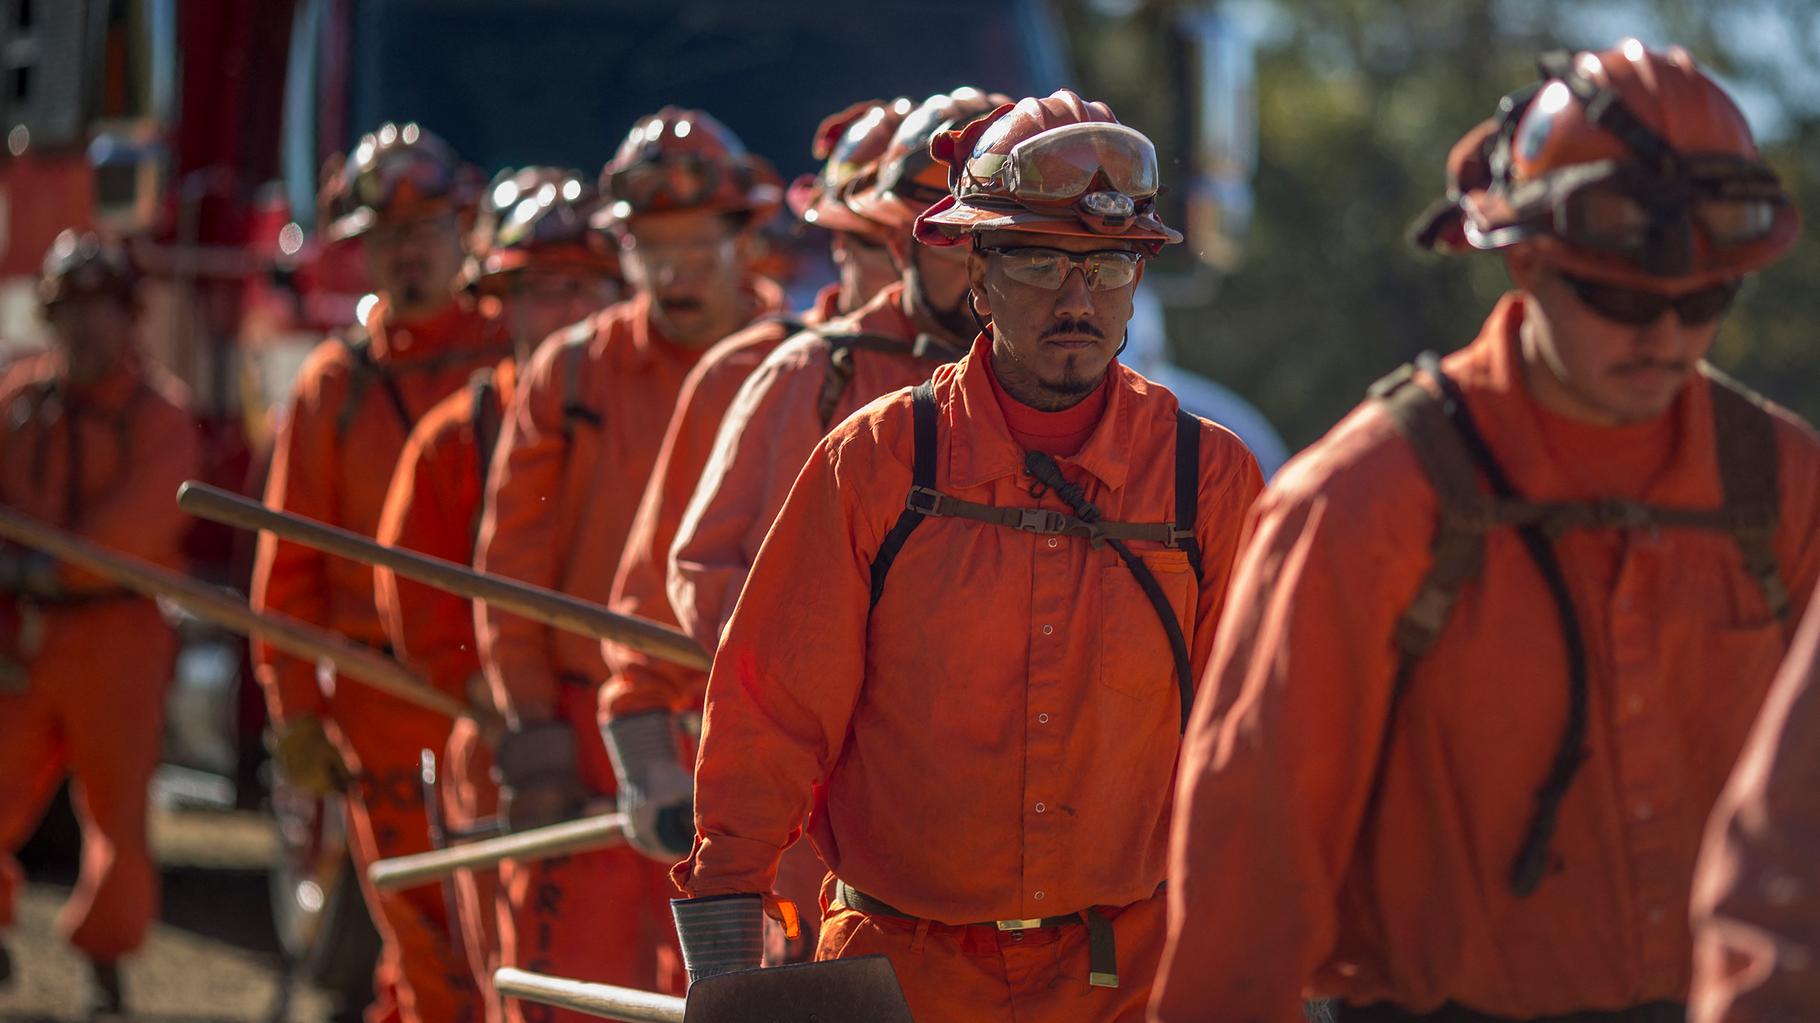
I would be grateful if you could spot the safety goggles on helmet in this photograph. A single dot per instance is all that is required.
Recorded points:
(1647, 208)
(671, 181)
(1636, 307)
(534, 224)
(402, 176)
(1039, 267)
(1063, 164)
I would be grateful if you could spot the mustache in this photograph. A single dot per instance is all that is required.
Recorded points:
(688, 305)
(1638, 365)
(1076, 328)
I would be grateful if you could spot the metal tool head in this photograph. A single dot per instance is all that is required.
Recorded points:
(859, 990)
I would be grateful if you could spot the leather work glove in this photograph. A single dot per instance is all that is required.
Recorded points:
(656, 793)
(305, 757)
(720, 933)
(29, 573)
(539, 775)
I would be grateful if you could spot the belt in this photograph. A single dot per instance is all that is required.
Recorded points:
(1102, 952)
(1384, 1012)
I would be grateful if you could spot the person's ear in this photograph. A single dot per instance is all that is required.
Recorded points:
(976, 282)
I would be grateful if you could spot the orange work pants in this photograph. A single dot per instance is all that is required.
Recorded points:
(469, 793)
(423, 974)
(94, 708)
(982, 975)
(600, 916)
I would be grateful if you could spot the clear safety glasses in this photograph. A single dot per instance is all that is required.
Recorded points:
(1039, 267)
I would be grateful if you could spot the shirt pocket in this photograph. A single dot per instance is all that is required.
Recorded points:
(1135, 656)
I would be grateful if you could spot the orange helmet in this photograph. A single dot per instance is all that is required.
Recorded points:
(399, 172)
(537, 217)
(1630, 166)
(909, 179)
(1057, 165)
(86, 264)
(851, 142)
(680, 160)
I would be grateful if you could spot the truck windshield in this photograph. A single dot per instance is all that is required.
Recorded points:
(560, 81)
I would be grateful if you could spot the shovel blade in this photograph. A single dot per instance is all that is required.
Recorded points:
(859, 990)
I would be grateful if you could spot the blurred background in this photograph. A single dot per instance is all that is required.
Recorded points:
(1299, 137)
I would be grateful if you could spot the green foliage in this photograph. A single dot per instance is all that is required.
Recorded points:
(1360, 101)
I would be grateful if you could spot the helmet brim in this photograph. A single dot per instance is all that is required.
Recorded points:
(951, 222)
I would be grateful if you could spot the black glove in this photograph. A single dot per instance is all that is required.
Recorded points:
(539, 775)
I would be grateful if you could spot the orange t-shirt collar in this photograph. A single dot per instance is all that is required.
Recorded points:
(1053, 433)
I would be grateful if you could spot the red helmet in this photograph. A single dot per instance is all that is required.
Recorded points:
(86, 264)
(397, 173)
(1057, 165)
(537, 217)
(909, 179)
(680, 160)
(851, 142)
(1630, 165)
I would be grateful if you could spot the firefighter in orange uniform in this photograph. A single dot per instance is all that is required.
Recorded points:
(93, 442)
(968, 647)
(850, 142)
(537, 266)
(407, 198)
(1501, 634)
(823, 376)
(1757, 891)
(682, 197)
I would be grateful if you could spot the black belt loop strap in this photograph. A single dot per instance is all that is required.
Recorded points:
(1102, 950)
(1532, 859)
(923, 411)
(1050, 475)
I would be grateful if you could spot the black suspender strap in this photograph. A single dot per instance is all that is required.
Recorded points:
(1532, 859)
(923, 412)
(1050, 475)
(1188, 486)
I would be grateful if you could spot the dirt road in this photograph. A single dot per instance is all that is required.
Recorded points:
(212, 957)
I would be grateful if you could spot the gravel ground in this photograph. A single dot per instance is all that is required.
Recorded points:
(212, 957)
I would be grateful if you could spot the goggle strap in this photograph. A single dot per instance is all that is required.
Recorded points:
(1607, 110)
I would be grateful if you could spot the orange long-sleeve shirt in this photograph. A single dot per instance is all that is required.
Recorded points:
(1757, 891)
(997, 738)
(103, 463)
(563, 491)
(335, 465)
(1279, 874)
(765, 437)
(638, 682)
(433, 506)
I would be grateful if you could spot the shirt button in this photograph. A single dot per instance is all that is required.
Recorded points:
(1038, 896)
(1042, 719)
(1053, 542)
(1048, 630)
(1634, 704)
(1041, 807)
(1656, 915)
(1625, 603)
(1643, 811)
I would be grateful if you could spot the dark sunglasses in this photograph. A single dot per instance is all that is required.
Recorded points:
(1637, 308)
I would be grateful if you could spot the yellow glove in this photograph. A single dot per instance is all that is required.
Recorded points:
(305, 757)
